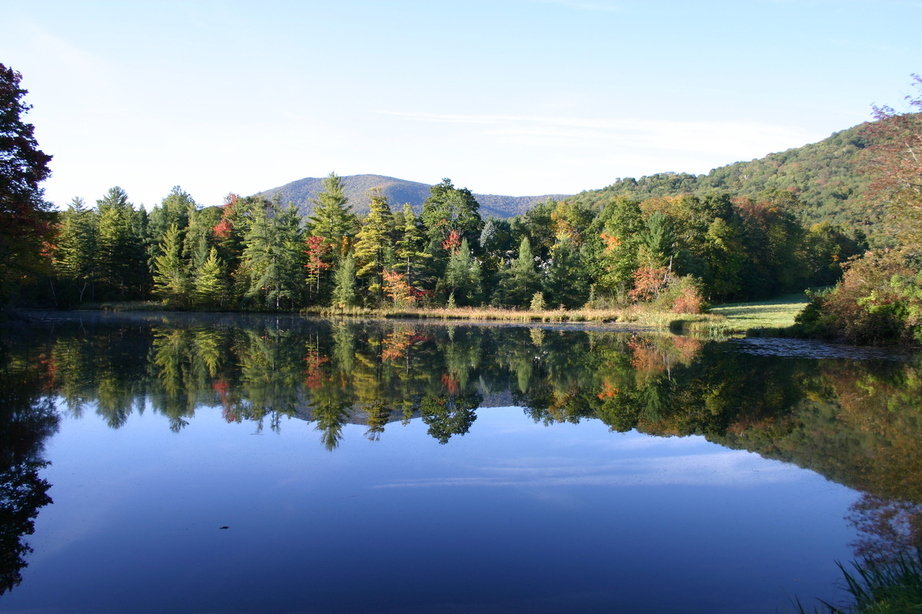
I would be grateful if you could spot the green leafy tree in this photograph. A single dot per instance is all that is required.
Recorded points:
(725, 259)
(24, 213)
(621, 237)
(449, 208)
(449, 214)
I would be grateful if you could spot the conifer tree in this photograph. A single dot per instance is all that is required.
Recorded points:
(121, 244)
(462, 276)
(344, 283)
(519, 280)
(332, 218)
(373, 246)
(567, 280)
(410, 253)
(273, 257)
(171, 278)
(75, 258)
(208, 285)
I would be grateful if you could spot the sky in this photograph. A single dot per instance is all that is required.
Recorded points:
(514, 97)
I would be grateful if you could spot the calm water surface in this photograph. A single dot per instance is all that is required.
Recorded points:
(206, 463)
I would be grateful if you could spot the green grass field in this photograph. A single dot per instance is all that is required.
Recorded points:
(772, 314)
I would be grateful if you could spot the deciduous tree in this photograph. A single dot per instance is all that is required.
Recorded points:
(24, 213)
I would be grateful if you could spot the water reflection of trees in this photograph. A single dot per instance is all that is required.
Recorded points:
(855, 422)
(27, 418)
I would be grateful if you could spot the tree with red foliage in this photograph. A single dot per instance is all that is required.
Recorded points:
(896, 162)
(24, 213)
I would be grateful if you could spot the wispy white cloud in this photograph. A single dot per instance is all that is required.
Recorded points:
(636, 135)
(732, 468)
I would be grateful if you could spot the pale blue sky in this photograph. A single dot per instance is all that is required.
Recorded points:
(505, 96)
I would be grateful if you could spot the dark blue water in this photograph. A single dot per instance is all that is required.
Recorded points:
(512, 516)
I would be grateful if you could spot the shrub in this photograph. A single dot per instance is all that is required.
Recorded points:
(878, 300)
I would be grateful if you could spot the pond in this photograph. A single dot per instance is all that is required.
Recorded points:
(191, 463)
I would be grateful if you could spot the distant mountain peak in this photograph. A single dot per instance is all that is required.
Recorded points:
(302, 193)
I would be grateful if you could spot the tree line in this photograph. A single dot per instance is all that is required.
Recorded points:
(253, 253)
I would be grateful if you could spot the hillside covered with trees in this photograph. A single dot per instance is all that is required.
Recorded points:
(823, 182)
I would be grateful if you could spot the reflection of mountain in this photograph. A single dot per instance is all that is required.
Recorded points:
(856, 422)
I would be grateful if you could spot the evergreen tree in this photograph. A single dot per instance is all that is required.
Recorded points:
(410, 253)
(332, 218)
(175, 209)
(519, 280)
(208, 285)
(344, 284)
(122, 255)
(462, 276)
(373, 246)
(171, 276)
(75, 257)
(272, 259)
(567, 280)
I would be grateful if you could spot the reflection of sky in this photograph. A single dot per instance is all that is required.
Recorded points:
(727, 468)
(514, 516)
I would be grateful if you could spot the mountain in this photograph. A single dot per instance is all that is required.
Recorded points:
(398, 191)
(826, 177)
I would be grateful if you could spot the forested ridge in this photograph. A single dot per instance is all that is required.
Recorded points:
(826, 180)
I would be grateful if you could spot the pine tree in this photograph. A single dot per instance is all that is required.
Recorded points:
(462, 276)
(410, 253)
(332, 218)
(273, 257)
(519, 280)
(373, 246)
(344, 283)
(75, 257)
(567, 280)
(175, 209)
(171, 277)
(122, 255)
(208, 285)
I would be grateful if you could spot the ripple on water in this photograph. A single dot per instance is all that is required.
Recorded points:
(812, 348)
